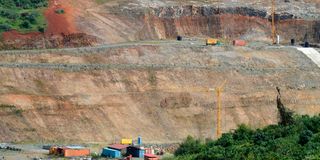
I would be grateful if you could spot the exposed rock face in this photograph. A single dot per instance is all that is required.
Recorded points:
(166, 22)
(182, 11)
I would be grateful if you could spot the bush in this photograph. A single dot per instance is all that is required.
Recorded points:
(305, 137)
(4, 27)
(18, 112)
(7, 106)
(59, 11)
(25, 24)
(189, 146)
(21, 15)
(41, 29)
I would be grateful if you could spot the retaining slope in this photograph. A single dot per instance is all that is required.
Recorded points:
(311, 53)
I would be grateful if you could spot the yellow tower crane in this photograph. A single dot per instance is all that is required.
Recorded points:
(219, 90)
(273, 22)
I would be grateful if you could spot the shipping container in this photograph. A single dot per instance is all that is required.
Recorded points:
(69, 152)
(239, 43)
(135, 151)
(120, 147)
(111, 153)
(126, 141)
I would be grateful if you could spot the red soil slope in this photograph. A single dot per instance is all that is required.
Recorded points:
(14, 35)
(60, 23)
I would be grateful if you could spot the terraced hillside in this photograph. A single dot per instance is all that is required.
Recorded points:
(138, 81)
(155, 89)
(88, 23)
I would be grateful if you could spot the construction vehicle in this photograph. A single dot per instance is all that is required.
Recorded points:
(211, 41)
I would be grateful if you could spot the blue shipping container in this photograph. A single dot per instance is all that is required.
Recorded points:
(141, 153)
(111, 153)
(135, 152)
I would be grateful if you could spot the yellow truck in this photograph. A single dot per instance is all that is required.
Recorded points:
(211, 41)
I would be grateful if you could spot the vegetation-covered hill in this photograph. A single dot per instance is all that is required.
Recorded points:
(299, 140)
(22, 15)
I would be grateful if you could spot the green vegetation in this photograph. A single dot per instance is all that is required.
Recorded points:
(18, 112)
(102, 1)
(22, 15)
(59, 11)
(295, 137)
(299, 140)
(7, 106)
(11, 109)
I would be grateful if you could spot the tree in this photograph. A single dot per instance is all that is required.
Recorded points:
(189, 146)
(305, 137)
(25, 24)
(286, 116)
(4, 27)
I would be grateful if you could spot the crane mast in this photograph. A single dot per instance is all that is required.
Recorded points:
(273, 22)
(219, 90)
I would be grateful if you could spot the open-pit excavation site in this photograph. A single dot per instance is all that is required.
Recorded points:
(110, 69)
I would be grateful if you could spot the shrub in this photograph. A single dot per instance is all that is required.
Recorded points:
(189, 146)
(4, 27)
(41, 29)
(305, 137)
(25, 24)
(59, 11)
(18, 112)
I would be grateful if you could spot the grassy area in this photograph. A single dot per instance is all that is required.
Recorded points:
(26, 16)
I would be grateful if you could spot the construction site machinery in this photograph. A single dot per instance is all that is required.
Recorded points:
(211, 41)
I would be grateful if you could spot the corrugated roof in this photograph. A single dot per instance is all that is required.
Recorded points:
(118, 146)
(74, 147)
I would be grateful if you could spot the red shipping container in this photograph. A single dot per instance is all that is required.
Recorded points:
(150, 157)
(239, 43)
(76, 152)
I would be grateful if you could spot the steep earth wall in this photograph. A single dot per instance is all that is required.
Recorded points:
(114, 24)
(156, 91)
